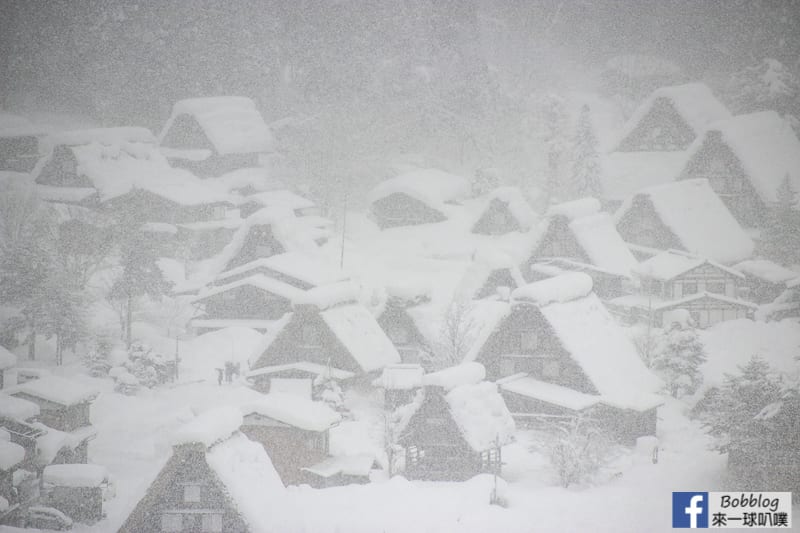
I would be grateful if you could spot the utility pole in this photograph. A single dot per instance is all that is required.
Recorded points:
(344, 227)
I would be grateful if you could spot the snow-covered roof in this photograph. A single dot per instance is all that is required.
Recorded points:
(486, 262)
(75, 475)
(599, 238)
(575, 208)
(607, 356)
(624, 173)
(766, 146)
(259, 281)
(694, 102)
(304, 366)
(669, 264)
(328, 296)
(232, 124)
(11, 455)
(209, 427)
(515, 202)
(698, 218)
(254, 178)
(348, 465)
(562, 288)
(268, 338)
(356, 328)
(434, 188)
(7, 359)
(295, 411)
(309, 268)
(17, 408)
(468, 373)
(527, 386)
(250, 479)
(481, 415)
(766, 270)
(400, 377)
(282, 198)
(58, 390)
(118, 136)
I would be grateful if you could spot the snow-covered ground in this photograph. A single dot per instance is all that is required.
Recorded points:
(629, 494)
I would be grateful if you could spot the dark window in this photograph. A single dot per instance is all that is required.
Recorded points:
(689, 287)
(528, 340)
(717, 287)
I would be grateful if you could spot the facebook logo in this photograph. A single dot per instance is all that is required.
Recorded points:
(689, 510)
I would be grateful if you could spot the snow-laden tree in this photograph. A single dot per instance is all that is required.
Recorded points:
(781, 237)
(741, 397)
(586, 170)
(577, 450)
(766, 85)
(140, 276)
(554, 126)
(456, 335)
(677, 357)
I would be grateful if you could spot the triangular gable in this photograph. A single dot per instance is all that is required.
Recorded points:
(262, 283)
(504, 210)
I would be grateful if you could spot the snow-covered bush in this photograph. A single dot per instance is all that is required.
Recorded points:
(677, 356)
(126, 383)
(97, 355)
(577, 451)
(148, 366)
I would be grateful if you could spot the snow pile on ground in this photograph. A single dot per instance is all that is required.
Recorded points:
(251, 481)
(17, 408)
(562, 288)
(74, 475)
(209, 427)
(294, 410)
(481, 415)
(58, 390)
(11, 454)
(464, 374)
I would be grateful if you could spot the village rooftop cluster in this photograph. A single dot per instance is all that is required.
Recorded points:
(471, 309)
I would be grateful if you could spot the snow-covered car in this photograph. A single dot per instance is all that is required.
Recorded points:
(45, 518)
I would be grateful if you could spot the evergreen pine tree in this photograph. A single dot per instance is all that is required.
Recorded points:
(782, 236)
(553, 120)
(678, 358)
(585, 177)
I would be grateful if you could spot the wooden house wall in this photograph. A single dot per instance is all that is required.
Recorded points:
(538, 360)
(142, 206)
(707, 312)
(260, 242)
(497, 219)
(641, 225)
(289, 346)
(626, 425)
(289, 448)
(704, 278)
(19, 154)
(662, 129)
(61, 170)
(246, 301)
(717, 163)
(761, 291)
(401, 210)
(60, 417)
(187, 466)
(410, 350)
(82, 504)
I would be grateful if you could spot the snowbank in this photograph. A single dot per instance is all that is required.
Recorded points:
(481, 415)
(209, 427)
(75, 475)
(294, 410)
(455, 376)
(7, 359)
(562, 288)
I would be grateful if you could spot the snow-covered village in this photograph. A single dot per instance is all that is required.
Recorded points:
(357, 266)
